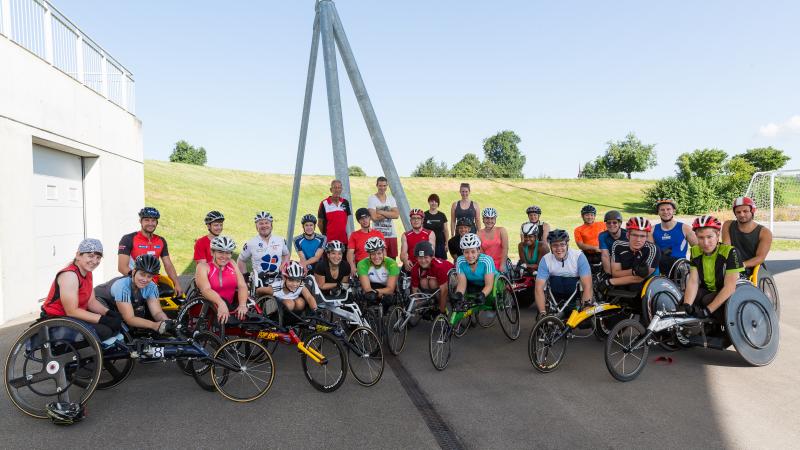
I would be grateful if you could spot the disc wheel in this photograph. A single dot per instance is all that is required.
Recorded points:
(547, 344)
(396, 331)
(201, 368)
(328, 375)
(440, 342)
(507, 308)
(365, 358)
(624, 360)
(250, 372)
(767, 285)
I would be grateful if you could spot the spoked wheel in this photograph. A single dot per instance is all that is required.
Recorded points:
(604, 322)
(679, 273)
(395, 330)
(201, 368)
(547, 344)
(505, 303)
(46, 361)
(767, 285)
(365, 359)
(440, 342)
(486, 318)
(117, 365)
(195, 315)
(373, 318)
(625, 356)
(242, 370)
(329, 374)
(462, 326)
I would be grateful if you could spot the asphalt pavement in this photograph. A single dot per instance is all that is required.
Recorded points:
(488, 397)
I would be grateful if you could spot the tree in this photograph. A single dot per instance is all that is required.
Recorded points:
(355, 171)
(468, 167)
(501, 150)
(598, 169)
(629, 156)
(737, 174)
(188, 154)
(705, 163)
(430, 168)
(766, 158)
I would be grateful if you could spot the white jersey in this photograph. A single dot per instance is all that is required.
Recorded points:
(280, 294)
(385, 226)
(266, 256)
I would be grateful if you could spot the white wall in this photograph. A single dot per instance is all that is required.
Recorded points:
(40, 104)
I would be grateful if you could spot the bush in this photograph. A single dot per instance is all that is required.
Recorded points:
(188, 154)
(355, 171)
(430, 168)
(695, 196)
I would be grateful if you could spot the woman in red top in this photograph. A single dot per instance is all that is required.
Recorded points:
(72, 293)
(221, 281)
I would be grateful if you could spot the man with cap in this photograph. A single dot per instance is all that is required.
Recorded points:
(355, 244)
(430, 273)
(411, 238)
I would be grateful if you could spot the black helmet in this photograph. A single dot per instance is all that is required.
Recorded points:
(147, 263)
(308, 218)
(362, 212)
(588, 209)
(557, 236)
(533, 210)
(65, 413)
(423, 248)
(464, 222)
(149, 212)
(214, 216)
(613, 215)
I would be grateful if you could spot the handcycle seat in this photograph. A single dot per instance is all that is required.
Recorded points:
(622, 294)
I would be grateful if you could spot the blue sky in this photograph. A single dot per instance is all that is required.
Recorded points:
(443, 75)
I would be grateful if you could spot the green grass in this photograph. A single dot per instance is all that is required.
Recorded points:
(785, 244)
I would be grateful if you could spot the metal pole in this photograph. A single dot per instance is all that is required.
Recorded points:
(349, 61)
(301, 145)
(327, 14)
(772, 202)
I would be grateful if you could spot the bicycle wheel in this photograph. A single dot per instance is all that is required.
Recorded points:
(195, 315)
(507, 308)
(767, 285)
(547, 344)
(373, 318)
(624, 359)
(440, 342)
(365, 358)
(201, 368)
(117, 365)
(328, 375)
(396, 332)
(486, 318)
(462, 326)
(250, 375)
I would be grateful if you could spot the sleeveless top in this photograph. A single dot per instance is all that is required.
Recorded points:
(52, 305)
(413, 238)
(468, 213)
(674, 240)
(530, 257)
(493, 248)
(745, 243)
(223, 281)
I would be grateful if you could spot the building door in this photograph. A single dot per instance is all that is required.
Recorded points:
(58, 218)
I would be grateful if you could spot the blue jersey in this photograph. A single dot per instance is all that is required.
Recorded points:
(672, 242)
(484, 265)
(308, 246)
(606, 240)
(121, 291)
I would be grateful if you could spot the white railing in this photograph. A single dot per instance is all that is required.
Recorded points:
(39, 27)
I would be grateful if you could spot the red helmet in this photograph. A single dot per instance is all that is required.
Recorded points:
(639, 223)
(416, 212)
(742, 201)
(706, 222)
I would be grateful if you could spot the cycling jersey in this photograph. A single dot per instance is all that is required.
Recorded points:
(136, 244)
(483, 265)
(120, 290)
(574, 265)
(588, 234)
(52, 305)
(223, 281)
(438, 270)
(309, 246)
(671, 242)
(379, 274)
(621, 253)
(413, 238)
(334, 218)
(606, 240)
(713, 268)
(357, 240)
(202, 249)
(493, 248)
(266, 256)
(282, 295)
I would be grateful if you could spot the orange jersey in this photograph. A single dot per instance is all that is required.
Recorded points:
(588, 234)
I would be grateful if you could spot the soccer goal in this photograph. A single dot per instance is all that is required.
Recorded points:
(777, 197)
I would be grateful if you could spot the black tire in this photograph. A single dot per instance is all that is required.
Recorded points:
(248, 384)
(618, 350)
(462, 326)
(767, 285)
(547, 344)
(507, 308)
(485, 318)
(374, 321)
(197, 314)
(396, 332)
(117, 367)
(365, 359)
(440, 341)
(201, 368)
(328, 376)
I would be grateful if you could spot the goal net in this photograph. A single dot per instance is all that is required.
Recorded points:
(777, 197)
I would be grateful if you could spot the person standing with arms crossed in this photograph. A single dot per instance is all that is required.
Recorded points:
(332, 214)
(383, 210)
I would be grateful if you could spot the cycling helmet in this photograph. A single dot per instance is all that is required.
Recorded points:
(374, 244)
(149, 212)
(362, 212)
(214, 216)
(469, 240)
(588, 209)
(530, 229)
(464, 222)
(557, 236)
(666, 201)
(308, 218)
(416, 212)
(706, 221)
(90, 245)
(262, 215)
(533, 210)
(294, 270)
(423, 248)
(223, 244)
(65, 413)
(741, 201)
(613, 215)
(489, 212)
(334, 246)
(147, 263)
(640, 224)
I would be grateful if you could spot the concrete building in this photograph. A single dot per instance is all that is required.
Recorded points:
(71, 163)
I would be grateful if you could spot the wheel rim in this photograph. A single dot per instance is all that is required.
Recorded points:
(772, 294)
(462, 326)
(440, 343)
(254, 375)
(396, 331)
(508, 312)
(548, 347)
(365, 360)
(624, 360)
(328, 375)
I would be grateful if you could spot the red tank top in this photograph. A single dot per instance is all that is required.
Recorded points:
(493, 248)
(413, 238)
(223, 281)
(53, 307)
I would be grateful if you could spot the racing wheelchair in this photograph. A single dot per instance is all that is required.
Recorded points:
(522, 281)
(762, 279)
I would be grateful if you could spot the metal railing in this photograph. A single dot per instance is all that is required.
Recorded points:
(39, 27)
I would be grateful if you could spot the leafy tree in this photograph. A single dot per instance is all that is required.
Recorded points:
(188, 154)
(430, 168)
(502, 151)
(629, 156)
(468, 167)
(355, 171)
(766, 158)
(704, 163)
(598, 169)
(737, 174)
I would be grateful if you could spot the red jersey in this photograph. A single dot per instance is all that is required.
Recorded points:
(358, 239)
(438, 270)
(202, 249)
(413, 238)
(52, 305)
(334, 216)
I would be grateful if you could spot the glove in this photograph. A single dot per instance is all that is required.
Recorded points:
(701, 312)
(605, 285)
(480, 298)
(115, 323)
(371, 296)
(641, 270)
(112, 313)
(457, 296)
(166, 327)
(688, 309)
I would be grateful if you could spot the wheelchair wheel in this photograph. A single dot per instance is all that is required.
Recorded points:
(485, 318)
(201, 368)
(440, 342)
(195, 315)
(547, 344)
(46, 360)
(507, 308)
(679, 273)
(625, 359)
(462, 326)
(767, 285)
(117, 365)
(250, 374)
(365, 359)
(396, 332)
(329, 375)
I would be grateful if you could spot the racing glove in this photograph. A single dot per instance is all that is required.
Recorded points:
(166, 326)
(115, 323)
(641, 270)
(688, 309)
(480, 298)
(457, 296)
(112, 313)
(701, 312)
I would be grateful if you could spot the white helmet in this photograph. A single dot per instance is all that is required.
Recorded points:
(223, 244)
(294, 270)
(530, 229)
(470, 240)
(489, 212)
(263, 215)
(334, 246)
(374, 244)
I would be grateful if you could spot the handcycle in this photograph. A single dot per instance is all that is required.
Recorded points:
(522, 280)
(502, 301)
(374, 310)
(751, 326)
(171, 303)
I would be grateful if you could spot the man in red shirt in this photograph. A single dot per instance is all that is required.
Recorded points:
(410, 239)
(202, 246)
(146, 242)
(430, 273)
(332, 214)
(355, 245)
